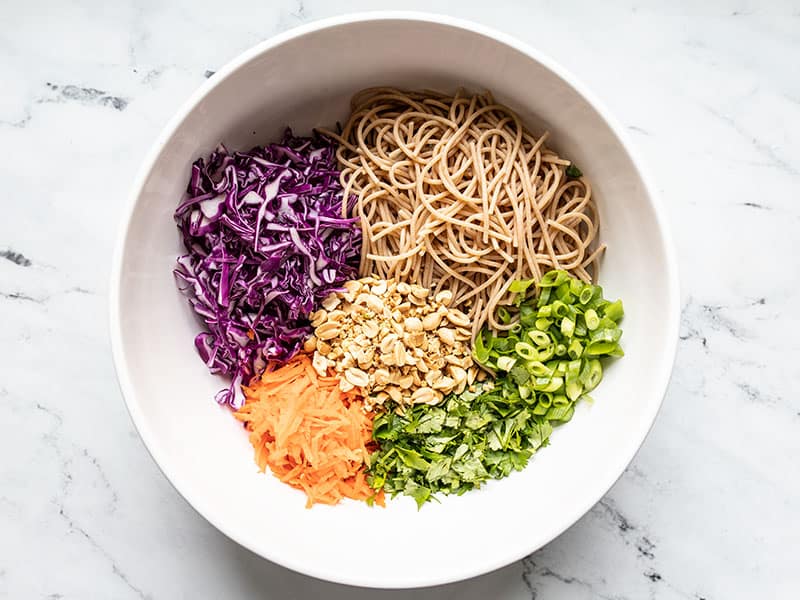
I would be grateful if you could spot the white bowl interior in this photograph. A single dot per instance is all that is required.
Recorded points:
(304, 81)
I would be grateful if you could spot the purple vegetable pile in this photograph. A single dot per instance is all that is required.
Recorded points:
(266, 243)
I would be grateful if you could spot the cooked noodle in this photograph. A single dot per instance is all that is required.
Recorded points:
(454, 193)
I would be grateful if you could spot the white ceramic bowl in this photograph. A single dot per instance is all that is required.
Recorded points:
(304, 78)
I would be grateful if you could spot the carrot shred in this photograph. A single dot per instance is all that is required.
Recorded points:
(309, 433)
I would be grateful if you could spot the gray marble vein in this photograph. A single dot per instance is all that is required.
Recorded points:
(17, 258)
(709, 93)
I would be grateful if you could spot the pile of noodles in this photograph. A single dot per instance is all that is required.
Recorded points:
(454, 193)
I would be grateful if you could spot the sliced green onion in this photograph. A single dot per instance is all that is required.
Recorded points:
(585, 295)
(540, 410)
(524, 392)
(516, 328)
(526, 351)
(538, 369)
(548, 384)
(553, 278)
(540, 338)
(601, 348)
(573, 371)
(561, 414)
(606, 335)
(617, 352)
(544, 297)
(574, 389)
(561, 349)
(580, 327)
(559, 309)
(567, 327)
(591, 374)
(575, 349)
(546, 352)
(520, 286)
(592, 320)
(614, 311)
(576, 286)
(504, 363)
(545, 311)
(543, 324)
(560, 400)
(546, 400)
(606, 323)
(480, 351)
(563, 293)
(503, 315)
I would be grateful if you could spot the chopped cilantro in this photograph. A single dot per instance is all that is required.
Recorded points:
(574, 172)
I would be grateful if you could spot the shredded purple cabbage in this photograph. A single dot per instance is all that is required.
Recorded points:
(266, 244)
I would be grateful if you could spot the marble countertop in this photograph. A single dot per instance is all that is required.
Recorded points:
(708, 509)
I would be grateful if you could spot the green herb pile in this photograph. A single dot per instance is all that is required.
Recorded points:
(547, 362)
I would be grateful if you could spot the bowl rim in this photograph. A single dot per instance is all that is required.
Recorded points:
(507, 555)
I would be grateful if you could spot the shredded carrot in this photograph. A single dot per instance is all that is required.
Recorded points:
(309, 433)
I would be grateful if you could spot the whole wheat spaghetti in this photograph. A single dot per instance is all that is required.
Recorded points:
(454, 193)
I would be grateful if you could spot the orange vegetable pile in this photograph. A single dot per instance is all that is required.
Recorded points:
(310, 434)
